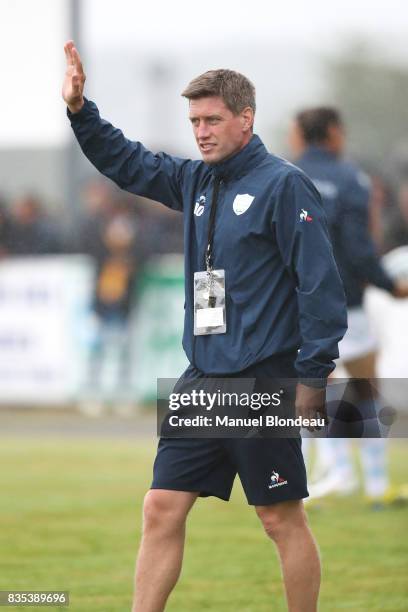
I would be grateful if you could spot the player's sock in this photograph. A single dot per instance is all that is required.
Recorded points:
(306, 449)
(369, 410)
(335, 455)
(324, 458)
(340, 479)
(374, 466)
(344, 460)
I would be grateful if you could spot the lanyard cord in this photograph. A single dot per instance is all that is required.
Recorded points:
(211, 225)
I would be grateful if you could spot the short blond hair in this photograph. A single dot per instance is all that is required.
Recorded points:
(234, 88)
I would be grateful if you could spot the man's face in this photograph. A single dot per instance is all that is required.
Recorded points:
(218, 132)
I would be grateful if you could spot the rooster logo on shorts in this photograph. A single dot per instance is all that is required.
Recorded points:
(276, 480)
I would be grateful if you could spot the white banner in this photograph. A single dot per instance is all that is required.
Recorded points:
(44, 310)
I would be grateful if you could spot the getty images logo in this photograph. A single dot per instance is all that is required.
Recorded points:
(199, 206)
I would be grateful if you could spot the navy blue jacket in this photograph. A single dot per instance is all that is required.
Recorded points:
(284, 292)
(345, 192)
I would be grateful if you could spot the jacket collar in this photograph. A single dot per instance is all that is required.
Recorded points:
(242, 162)
(317, 152)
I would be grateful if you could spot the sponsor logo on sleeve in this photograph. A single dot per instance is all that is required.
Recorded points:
(304, 216)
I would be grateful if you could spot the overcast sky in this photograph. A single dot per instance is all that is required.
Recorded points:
(279, 44)
(32, 34)
(317, 23)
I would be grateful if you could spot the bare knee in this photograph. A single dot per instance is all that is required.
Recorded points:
(279, 520)
(165, 510)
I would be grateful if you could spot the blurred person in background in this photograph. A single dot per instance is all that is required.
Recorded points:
(317, 140)
(381, 201)
(33, 231)
(162, 232)
(115, 288)
(396, 228)
(5, 231)
(159, 229)
(234, 160)
(110, 233)
(97, 199)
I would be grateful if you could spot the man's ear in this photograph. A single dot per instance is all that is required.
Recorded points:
(247, 118)
(335, 138)
(296, 139)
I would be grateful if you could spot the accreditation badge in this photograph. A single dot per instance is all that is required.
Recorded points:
(209, 303)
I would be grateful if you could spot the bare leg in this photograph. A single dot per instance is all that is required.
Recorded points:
(373, 450)
(286, 524)
(161, 550)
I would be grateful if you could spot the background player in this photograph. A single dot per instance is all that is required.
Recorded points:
(317, 140)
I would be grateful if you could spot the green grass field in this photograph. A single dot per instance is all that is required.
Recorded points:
(70, 519)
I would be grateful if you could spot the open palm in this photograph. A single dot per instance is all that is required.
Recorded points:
(73, 85)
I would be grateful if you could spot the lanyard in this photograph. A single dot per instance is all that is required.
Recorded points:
(211, 225)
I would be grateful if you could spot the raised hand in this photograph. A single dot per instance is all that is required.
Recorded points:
(73, 85)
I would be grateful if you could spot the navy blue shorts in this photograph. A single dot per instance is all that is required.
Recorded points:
(271, 470)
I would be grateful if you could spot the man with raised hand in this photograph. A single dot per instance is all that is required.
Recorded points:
(255, 230)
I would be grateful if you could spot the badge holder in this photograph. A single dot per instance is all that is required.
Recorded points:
(209, 302)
